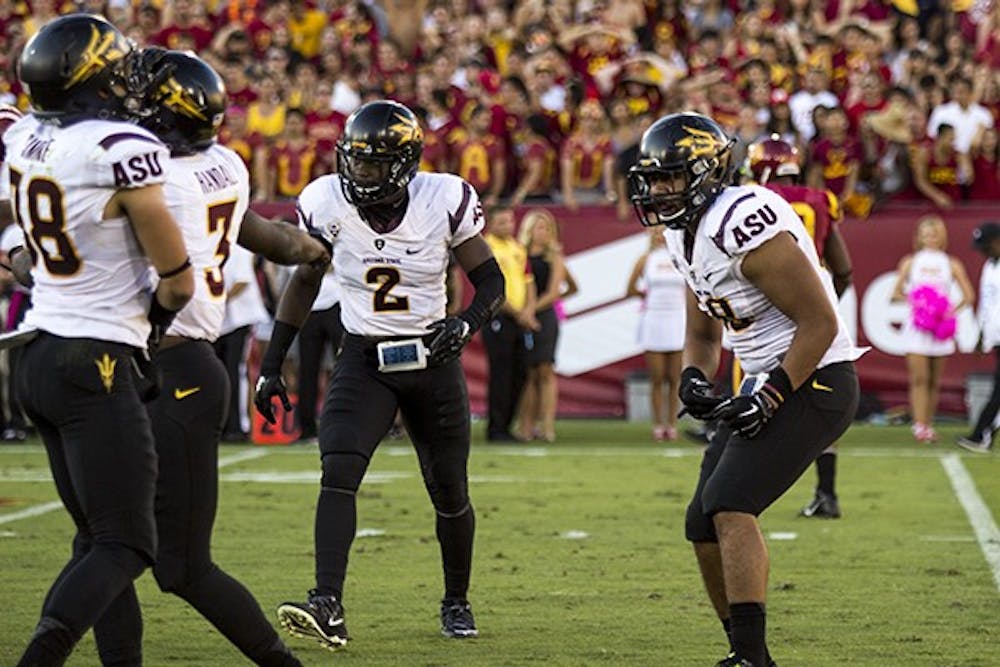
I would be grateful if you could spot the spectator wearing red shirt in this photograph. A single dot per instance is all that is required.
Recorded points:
(587, 162)
(537, 161)
(234, 135)
(866, 98)
(836, 158)
(238, 84)
(292, 162)
(479, 156)
(985, 165)
(180, 20)
(938, 169)
(324, 125)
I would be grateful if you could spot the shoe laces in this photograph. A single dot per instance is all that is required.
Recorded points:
(328, 605)
(457, 613)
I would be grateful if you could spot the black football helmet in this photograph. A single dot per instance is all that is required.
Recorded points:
(684, 163)
(186, 101)
(75, 68)
(379, 153)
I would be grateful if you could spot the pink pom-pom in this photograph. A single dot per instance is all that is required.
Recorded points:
(931, 312)
(945, 329)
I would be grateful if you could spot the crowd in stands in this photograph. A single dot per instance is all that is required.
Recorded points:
(544, 100)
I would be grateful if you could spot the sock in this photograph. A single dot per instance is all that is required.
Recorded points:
(50, 645)
(336, 523)
(727, 626)
(826, 467)
(748, 622)
(455, 535)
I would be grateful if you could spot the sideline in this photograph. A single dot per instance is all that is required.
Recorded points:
(978, 512)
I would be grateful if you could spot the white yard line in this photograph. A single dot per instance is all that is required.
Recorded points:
(29, 512)
(979, 514)
(45, 508)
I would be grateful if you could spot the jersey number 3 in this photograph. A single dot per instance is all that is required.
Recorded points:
(46, 224)
(220, 216)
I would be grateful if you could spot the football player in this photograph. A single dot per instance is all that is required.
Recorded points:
(752, 269)
(391, 230)
(774, 163)
(87, 189)
(208, 192)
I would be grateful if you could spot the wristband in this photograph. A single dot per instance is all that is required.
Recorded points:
(159, 315)
(281, 339)
(173, 272)
(779, 381)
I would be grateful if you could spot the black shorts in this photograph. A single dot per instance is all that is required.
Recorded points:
(81, 394)
(543, 349)
(361, 403)
(741, 475)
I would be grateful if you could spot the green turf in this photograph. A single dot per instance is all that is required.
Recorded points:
(900, 580)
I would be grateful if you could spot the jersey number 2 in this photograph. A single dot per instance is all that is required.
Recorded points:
(220, 216)
(386, 277)
(45, 222)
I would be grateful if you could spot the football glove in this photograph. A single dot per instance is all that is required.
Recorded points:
(149, 377)
(759, 398)
(449, 339)
(269, 386)
(696, 394)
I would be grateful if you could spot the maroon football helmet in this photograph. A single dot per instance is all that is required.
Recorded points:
(772, 157)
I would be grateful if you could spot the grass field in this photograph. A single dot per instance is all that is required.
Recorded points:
(580, 557)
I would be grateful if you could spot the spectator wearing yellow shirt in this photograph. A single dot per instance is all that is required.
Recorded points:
(266, 115)
(306, 25)
(509, 333)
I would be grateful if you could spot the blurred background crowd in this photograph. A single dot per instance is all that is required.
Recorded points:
(543, 101)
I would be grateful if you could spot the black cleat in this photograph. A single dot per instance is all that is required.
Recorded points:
(823, 506)
(732, 660)
(321, 618)
(456, 619)
(982, 446)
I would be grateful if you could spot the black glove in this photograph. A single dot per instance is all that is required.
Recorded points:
(748, 413)
(450, 336)
(149, 377)
(269, 386)
(696, 394)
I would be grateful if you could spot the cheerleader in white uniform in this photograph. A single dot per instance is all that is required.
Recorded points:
(661, 329)
(926, 351)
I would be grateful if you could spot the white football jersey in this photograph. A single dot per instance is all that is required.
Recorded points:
(393, 284)
(208, 194)
(92, 279)
(740, 220)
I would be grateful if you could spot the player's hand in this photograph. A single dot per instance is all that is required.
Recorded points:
(759, 398)
(269, 386)
(696, 394)
(149, 377)
(450, 336)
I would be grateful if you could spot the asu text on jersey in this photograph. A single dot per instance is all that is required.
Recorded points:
(740, 220)
(92, 279)
(393, 284)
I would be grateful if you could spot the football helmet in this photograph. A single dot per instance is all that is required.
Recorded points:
(772, 157)
(684, 163)
(75, 68)
(186, 101)
(379, 153)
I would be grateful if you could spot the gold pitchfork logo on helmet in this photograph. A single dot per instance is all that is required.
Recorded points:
(699, 143)
(101, 51)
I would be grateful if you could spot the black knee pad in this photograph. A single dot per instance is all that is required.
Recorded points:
(176, 575)
(343, 471)
(130, 560)
(448, 498)
(698, 526)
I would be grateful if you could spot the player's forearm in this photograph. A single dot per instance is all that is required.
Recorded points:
(811, 341)
(279, 242)
(300, 293)
(703, 354)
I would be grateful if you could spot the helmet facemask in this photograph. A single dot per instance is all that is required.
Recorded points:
(370, 178)
(675, 195)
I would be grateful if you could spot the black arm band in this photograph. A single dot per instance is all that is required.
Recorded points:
(281, 339)
(180, 269)
(159, 316)
(489, 283)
